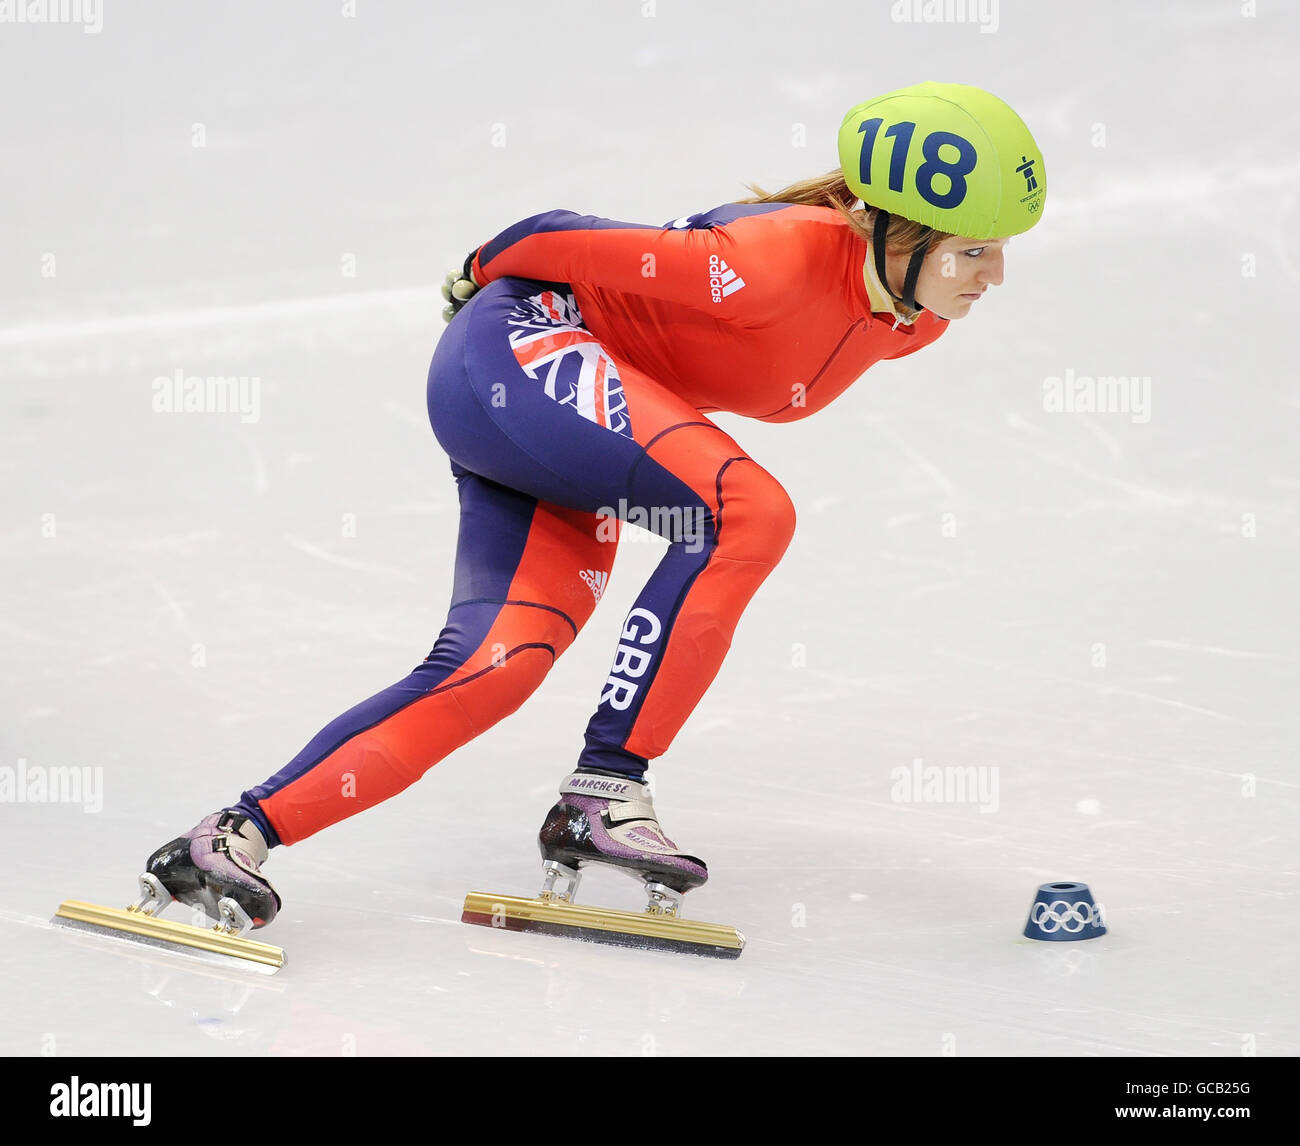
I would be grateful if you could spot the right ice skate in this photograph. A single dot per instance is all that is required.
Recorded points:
(607, 819)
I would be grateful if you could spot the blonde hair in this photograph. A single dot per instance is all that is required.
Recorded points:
(830, 190)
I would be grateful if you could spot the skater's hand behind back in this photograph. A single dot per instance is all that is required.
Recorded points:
(458, 288)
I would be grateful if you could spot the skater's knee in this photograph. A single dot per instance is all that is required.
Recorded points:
(479, 632)
(531, 623)
(513, 659)
(757, 517)
(510, 677)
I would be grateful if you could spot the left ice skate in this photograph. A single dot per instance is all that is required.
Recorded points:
(608, 819)
(139, 922)
(213, 869)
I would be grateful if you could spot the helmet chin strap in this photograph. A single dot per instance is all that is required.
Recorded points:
(878, 231)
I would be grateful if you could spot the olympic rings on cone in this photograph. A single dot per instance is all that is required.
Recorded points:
(1063, 912)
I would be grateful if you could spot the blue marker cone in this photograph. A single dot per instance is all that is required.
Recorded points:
(1064, 912)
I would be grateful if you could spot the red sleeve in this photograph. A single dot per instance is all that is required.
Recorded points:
(697, 261)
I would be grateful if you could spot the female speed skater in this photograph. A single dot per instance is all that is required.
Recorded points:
(571, 390)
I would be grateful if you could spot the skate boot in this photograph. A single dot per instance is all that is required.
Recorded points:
(606, 818)
(219, 860)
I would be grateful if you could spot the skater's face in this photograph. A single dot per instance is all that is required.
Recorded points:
(956, 272)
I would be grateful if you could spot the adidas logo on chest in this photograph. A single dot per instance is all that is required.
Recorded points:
(722, 279)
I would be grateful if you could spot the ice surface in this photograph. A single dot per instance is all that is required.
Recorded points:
(1099, 607)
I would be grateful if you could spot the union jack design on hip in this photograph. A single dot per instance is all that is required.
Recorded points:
(554, 348)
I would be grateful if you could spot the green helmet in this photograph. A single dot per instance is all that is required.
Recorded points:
(948, 156)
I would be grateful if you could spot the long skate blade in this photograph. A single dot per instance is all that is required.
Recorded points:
(209, 945)
(603, 925)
